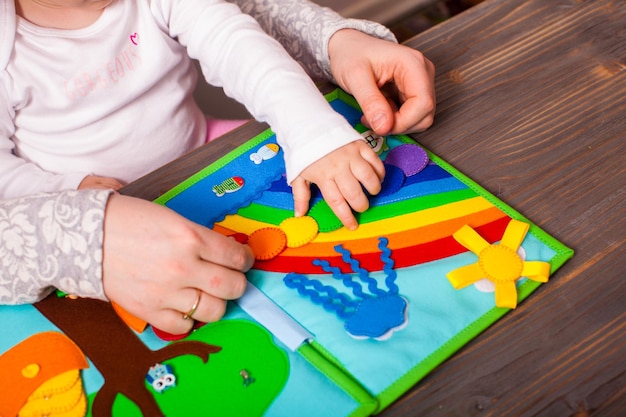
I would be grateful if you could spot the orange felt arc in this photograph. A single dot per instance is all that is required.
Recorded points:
(223, 230)
(402, 257)
(26, 366)
(400, 240)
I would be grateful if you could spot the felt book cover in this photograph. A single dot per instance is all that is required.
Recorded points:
(333, 323)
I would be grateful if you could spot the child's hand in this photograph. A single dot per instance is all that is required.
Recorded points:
(341, 176)
(102, 183)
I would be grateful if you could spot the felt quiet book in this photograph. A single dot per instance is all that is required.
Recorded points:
(333, 323)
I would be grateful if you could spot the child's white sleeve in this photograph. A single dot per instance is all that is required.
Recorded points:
(17, 176)
(305, 28)
(255, 69)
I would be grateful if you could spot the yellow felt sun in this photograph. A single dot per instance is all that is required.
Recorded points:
(498, 263)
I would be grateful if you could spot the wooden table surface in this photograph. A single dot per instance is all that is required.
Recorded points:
(531, 103)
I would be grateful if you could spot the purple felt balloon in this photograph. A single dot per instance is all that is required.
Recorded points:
(410, 158)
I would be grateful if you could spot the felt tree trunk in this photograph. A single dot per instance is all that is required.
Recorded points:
(115, 350)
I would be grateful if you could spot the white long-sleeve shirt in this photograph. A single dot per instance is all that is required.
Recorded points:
(115, 98)
(33, 262)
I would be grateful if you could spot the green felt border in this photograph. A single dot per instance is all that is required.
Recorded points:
(368, 404)
(562, 254)
(323, 359)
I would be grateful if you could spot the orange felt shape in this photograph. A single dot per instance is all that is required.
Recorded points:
(131, 321)
(29, 364)
(267, 243)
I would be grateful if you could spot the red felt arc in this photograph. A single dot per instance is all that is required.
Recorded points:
(402, 257)
(397, 240)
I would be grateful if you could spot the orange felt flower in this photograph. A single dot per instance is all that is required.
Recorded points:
(498, 263)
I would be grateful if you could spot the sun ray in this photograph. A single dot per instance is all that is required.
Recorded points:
(468, 237)
(506, 294)
(465, 275)
(514, 234)
(537, 271)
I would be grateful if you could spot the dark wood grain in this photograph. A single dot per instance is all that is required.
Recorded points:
(532, 105)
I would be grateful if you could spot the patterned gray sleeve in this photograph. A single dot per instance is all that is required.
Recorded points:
(304, 29)
(50, 241)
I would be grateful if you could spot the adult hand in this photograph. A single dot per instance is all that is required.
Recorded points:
(368, 68)
(341, 176)
(102, 183)
(156, 263)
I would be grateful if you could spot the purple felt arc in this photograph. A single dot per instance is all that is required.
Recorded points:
(409, 157)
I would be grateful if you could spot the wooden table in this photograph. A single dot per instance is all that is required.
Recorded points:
(532, 105)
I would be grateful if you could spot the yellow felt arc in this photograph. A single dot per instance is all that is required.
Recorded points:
(56, 385)
(403, 239)
(242, 224)
(372, 230)
(407, 221)
(61, 396)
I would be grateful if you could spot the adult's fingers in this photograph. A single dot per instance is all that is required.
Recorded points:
(217, 281)
(413, 78)
(221, 250)
(377, 111)
(202, 307)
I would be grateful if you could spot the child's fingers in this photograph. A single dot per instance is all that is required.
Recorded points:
(341, 177)
(352, 191)
(369, 170)
(336, 200)
(95, 182)
(332, 195)
(301, 196)
(368, 177)
(374, 161)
